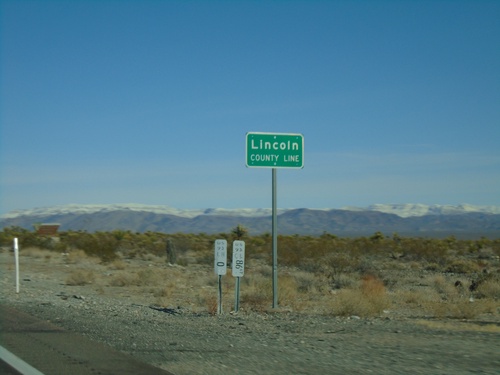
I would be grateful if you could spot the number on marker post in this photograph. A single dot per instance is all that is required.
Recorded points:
(220, 263)
(238, 258)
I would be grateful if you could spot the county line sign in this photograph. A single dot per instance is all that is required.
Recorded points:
(274, 150)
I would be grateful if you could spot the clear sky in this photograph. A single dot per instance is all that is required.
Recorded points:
(149, 102)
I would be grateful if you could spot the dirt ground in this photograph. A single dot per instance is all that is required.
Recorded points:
(184, 339)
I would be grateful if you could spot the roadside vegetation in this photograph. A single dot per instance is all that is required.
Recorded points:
(365, 277)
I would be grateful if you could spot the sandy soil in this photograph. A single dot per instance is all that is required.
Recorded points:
(185, 340)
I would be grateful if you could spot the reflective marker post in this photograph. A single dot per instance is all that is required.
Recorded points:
(16, 256)
(238, 269)
(220, 266)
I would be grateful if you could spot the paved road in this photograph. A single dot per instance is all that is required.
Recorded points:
(5, 369)
(52, 350)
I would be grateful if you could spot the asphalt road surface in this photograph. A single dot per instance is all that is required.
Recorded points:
(52, 350)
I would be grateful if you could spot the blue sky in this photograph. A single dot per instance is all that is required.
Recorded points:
(149, 102)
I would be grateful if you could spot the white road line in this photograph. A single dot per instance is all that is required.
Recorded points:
(17, 363)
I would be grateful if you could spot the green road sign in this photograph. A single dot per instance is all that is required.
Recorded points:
(279, 150)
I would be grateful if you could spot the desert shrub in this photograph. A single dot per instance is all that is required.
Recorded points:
(288, 293)
(495, 247)
(149, 257)
(212, 304)
(432, 266)
(412, 297)
(369, 299)
(35, 252)
(489, 288)
(117, 264)
(306, 282)
(257, 294)
(337, 266)
(452, 299)
(312, 266)
(459, 308)
(239, 232)
(296, 251)
(344, 280)
(100, 244)
(264, 271)
(80, 277)
(149, 277)
(183, 261)
(290, 251)
(354, 302)
(205, 258)
(123, 279)
(463, 266)
(75, 256)
(165, 291)
(164, 294)
(445, 288)
(338, 263)
(25, 238)
(371, 285)
(430, 250)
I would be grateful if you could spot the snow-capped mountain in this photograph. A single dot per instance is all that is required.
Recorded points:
(401, 210)
(405, 219)
(410, 210)
(82, 209)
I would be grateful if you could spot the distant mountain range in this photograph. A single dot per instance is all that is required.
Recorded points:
(405, 219)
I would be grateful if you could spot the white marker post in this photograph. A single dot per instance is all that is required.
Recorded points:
(220, 266)
(16, 256)
(238, 269)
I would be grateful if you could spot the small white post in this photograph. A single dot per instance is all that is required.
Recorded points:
(220, 265)
(238, 269)
(16, 256)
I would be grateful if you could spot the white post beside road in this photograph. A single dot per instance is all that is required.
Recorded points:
(16, 256)
(238, 269)
(220, 266)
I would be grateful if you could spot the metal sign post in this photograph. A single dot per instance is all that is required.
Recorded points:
(16, 256)
(275, 240)
(274, 150)
(220, 266)
(238, 269)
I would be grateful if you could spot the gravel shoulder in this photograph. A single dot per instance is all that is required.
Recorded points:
(184, 341)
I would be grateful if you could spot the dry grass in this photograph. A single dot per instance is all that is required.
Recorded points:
(80, 277)
(123, 279)
(412, 298)
(460, 308)
(165, 295)
(452, 299)
(76, 256)
(301, 291)
(459, 326)
(117, 264)
(212, 304)
(150, 278)
(410, 286)
(369, 299)
(256, 292)
(489, 289)
(34, 252)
